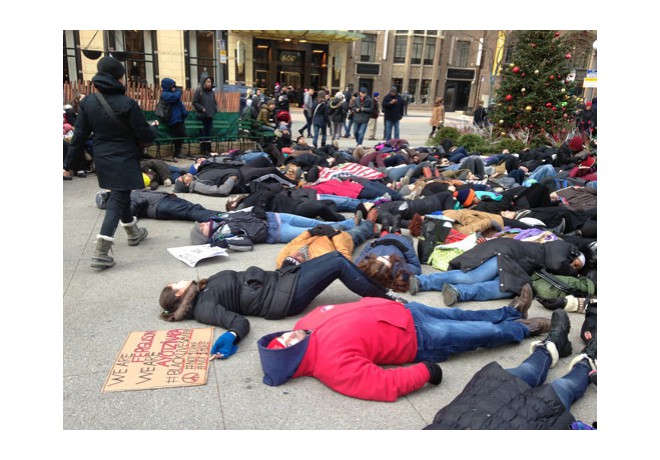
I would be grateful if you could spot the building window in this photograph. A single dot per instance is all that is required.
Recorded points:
(418, 32)
(429, 51)
(433, 33)
(461, 53)
(69, 55)
(400, 45)
(424, 92)
(398, 84)
(416, 51)
(412, 89)
(401, 31)
(200, 52)
(136, 48)
(368, 48)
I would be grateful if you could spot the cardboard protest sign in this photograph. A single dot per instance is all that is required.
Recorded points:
(161, 359)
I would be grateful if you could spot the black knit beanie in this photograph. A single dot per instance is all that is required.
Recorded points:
(111, 66)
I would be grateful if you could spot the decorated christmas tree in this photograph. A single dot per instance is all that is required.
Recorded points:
(534, 93)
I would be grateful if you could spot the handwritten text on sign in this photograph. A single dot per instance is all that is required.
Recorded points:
(161, 359)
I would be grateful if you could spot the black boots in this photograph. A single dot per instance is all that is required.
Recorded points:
(589, 353)
(557, 342)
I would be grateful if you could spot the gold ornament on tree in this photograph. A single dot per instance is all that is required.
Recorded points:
(528, 108)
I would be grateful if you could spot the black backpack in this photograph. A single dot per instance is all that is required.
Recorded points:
(163, 110)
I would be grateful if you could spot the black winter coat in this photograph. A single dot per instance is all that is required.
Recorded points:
(204, 102)
(494, 399)
(518, 260)
(320, 113)
(116, 152)
(229, 295)
(338, 110)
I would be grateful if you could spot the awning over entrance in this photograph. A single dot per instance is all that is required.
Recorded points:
(320, 36)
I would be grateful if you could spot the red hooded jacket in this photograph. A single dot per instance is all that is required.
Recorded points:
(349, 341)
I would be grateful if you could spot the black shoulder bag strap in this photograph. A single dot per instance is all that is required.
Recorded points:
(543, 273)
(121, 121)
(112, 114)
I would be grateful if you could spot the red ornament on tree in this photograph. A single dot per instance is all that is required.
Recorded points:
(568, 56)
(516, 69)
(554, 108)
(548, 104)
(556, 34)
(508, 97)
(552, 77)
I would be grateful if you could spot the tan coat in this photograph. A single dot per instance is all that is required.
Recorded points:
(318, 246)
(438, 116)
(469, 221)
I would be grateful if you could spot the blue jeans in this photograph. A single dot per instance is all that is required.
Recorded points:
(315, 275)
(248, 157)
(539, 174)
(175, 172)
(397, 172)
(362, 232)
(283, 227)
(442, 332)
(389, 124)
(347, 127)
(175, 208)
(481, 283)
(359, 130)
(375, 189)
(569, 388)
(495, 159)
(342, 203)
(318, 128)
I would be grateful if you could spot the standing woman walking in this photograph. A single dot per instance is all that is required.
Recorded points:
(118, 125)
(438, 115)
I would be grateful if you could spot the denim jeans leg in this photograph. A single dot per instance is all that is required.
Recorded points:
(442, 333)
(396, 130)
(485, 290)
(362, 232)
(534, 370)
(388, 130)
(572, 386)
(315, 275)
(118, 208)
(434, 281)
(343, 203)
(174, 208)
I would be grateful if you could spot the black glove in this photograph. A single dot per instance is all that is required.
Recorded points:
(436, 372)
(324, 230)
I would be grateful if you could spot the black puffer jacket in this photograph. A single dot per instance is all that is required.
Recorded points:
(495, 399)
(518, 260)
(229, 295)
(116, 152)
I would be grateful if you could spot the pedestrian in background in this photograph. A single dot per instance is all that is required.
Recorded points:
(438, 115)
(393, 106)
(362, 109)
(373, 121)
(178, 113)
(206, 108)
